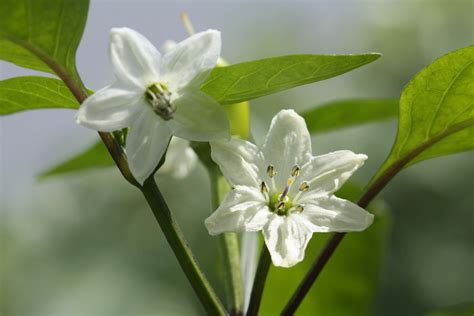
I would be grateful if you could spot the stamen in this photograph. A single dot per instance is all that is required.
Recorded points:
(299, 209)
(271, 171)
(295, 171)
(263, 187)
(159, 97)
(280, 205)
(304, 186)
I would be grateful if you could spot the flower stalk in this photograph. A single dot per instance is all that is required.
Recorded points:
(259, 282)
(183, 253)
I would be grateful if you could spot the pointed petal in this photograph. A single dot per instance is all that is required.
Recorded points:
(243, 209)
(190, 61)
(146, 143)
(134, 59)
(287, 144)
(109, 109)
(286, 238)
(239, 161)
(327, 173)
(336, 215)
(198, 117)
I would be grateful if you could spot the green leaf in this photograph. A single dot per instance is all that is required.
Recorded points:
(250, 80)
(346, 113)
(436, 112)
(42, 34)
(33, 92)
(348, 285)
(94, 157)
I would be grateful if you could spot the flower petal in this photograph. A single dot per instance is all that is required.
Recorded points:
(109, 109)
(134, 59)
(239, 161)
(198, 117)
(146, 143)
(335, 215)
(286, 238)
(326, 174)
(287, 144)
(180, 159)
(190, 61)
(243, 209)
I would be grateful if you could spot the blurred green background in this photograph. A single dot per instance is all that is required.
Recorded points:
(87, 244)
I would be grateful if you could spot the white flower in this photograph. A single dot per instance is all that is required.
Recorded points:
(285, 191)
(180, 159)
(157, 96)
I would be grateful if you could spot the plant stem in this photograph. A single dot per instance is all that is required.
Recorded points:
(259, 282)
(158, 205)
(180, 248)
(371, 192)
(229, 248)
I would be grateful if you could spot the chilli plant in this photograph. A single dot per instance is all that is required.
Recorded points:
(167, 109)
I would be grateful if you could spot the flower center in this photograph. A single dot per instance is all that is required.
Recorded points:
(159, 97)
(280, 203)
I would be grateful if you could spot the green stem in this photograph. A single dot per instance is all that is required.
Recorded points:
(371, 192)
(259, 282)
(151, 192)
(229, 248)
(180, 248)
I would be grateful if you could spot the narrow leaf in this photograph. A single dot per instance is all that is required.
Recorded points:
(34, 92)
(436, 111)
(94, 157)
(346, 113)
(250, 80)
(42, 34)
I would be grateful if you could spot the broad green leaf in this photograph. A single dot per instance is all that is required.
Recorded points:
(42, 34)
(94, 157)
(331, 116)
(33, 92)
(436, 111)
(346, 113)
(347, 286)
(250, 80)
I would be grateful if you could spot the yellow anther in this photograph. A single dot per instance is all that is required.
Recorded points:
(263, 187)
(271, 171)
(304, 186)
(295, 171)
(299, 208)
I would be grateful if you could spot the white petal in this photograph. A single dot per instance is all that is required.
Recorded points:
(109, 109)
(243, 209)
(286, 238)
(239, 161)
(248, 263)
(198, 117)
(287, 144)
(134, 59)
(190, 61)
(146, 143)
(326, 174)
(180, 159)
(336, 215)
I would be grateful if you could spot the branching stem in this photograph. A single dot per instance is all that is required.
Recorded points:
(371, 192)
